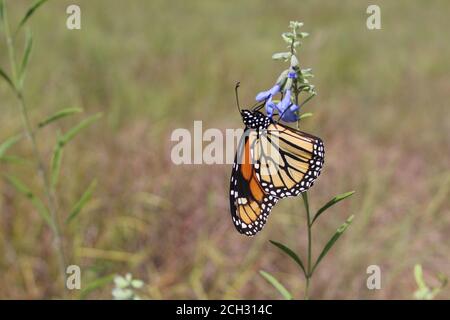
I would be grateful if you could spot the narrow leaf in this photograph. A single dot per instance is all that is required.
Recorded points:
(20, 186)
(418, 275)
(281, 56)
(332, 241)
(290, 253)
(37, 203)
(96, 284)
(303, 34)
(56, 164)
(43, 211)
(288, 37)
(8, 144)
(305, 115)
(7, 78)
(273, 281)
(26, 57)
(58, 115)
(29, 13)
(87, 195)
(2, 5)
(13, 159)
(332, 202)
(75, 130)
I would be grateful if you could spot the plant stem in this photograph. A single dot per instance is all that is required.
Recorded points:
(306, 295)
(308, 221)
(308, 215)
(58, 243)
(296, 93)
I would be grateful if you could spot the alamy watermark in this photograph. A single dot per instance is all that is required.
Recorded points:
(73, 21)
(215, 146)
(374, 279)
(73, 277)
(373, 22)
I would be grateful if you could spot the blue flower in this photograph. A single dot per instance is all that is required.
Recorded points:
(286, 109)
(285, 102)
(270, 107)
(264, 95)
(290, 114)
(292, 75)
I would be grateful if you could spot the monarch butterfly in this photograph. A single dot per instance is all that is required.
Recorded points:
(273, 161)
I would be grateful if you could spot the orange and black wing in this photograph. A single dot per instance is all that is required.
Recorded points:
(249, 204)
(288, 160)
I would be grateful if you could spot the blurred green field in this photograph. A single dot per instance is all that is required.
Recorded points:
(153, 66)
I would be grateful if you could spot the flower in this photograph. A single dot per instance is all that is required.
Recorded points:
(286, 109)
(270, 107)
(290, 114)
(264, 95)
(292, 75)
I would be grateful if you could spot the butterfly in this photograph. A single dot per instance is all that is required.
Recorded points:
(272, 162)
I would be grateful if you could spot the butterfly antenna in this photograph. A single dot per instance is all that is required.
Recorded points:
(237, 96)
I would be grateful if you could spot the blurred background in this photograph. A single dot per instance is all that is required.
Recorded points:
(153, 66)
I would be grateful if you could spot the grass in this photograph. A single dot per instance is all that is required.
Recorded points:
(153, 66)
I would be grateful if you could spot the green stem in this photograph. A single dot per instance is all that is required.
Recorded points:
(10, 46)
(306, 296)
(58, 243)
(296, 93)
(292, 46)
(309, 261)
(308, 215)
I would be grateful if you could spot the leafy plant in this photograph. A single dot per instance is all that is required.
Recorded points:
(425, 292)
(48, 207)
(297, 80)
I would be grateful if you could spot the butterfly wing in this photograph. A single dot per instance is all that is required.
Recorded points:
(289, 160)
(249, 204)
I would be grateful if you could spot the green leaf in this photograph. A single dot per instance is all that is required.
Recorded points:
(290, 253)
(332, 241)
(2, 5)
(281, 56)
(13, 159)
(21, 187)
(29, 13)
(56, 164)
(273, 281)
(332, 202)
(288, 37)
(307, 73)
(7, 78)
(87, 195)
(303, 34)
(8, 144)
(37, 203)
(94, 285)
(295, 24)
(58, 115)
(305, 115)
(75, 130)
(418, 275)
(282, 77)
(294, 61)
(26, 57)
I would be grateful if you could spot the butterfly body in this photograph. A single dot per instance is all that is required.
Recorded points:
(272, 162)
